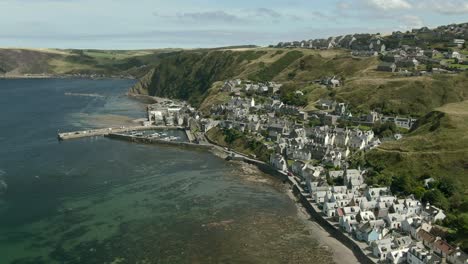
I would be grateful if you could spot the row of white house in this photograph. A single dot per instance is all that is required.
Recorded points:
(397, 230)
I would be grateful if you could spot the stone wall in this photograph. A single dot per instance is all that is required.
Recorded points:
(333, 231)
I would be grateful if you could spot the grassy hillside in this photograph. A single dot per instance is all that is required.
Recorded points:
(405, 95)
(19, 62)
(190, 75)
(437, 148)
(239, 142)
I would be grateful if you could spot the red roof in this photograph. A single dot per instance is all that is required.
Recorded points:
(444, 246)
(339, 211)
(426, 236)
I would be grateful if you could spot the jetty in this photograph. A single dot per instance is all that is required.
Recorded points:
(151, 140)
(107, 131)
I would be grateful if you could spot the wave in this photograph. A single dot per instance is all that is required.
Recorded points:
(85, 94)
(3, 184)
(3, 187)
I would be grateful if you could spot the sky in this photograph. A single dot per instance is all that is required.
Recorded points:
(144, 24)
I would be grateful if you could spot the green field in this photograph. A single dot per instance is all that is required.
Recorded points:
(18, 62)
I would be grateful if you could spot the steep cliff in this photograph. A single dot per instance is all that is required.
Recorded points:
(189, 75)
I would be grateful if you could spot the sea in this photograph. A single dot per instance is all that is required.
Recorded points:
(98, 200)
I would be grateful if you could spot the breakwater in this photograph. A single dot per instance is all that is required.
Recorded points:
(107, 131)
(147, 140)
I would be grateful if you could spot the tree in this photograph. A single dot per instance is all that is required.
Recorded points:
(429, 67)
(437, 198)
(405, 184)
(231, 135)
(302, 65)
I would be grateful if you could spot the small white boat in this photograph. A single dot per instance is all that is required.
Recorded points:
(155, 135)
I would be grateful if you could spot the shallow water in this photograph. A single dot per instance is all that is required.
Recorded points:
(101, 201)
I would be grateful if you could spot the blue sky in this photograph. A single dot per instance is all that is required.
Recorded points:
(139, 24)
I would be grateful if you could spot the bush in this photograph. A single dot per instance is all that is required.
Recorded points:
(386, 129)
(437, 198)
(231, 135)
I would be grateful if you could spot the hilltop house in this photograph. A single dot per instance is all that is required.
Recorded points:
(387, 67)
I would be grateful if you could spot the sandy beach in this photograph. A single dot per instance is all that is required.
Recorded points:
(341, 253)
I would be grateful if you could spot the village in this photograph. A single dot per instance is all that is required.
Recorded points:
(314, 150)
(403, 53)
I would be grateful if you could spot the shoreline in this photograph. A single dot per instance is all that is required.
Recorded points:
(341, 252)
(65, 76)
(142, 97)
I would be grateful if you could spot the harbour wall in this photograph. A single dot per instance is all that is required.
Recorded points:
(156, 141)
(332, 230)
(107, 131)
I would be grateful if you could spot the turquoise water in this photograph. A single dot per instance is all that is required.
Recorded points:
(101, 201)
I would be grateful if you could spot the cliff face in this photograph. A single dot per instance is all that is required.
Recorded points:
(188, 75)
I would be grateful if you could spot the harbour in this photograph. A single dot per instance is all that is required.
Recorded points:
(107, 131)
(100, 200)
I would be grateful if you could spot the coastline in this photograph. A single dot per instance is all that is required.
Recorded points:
(342, 253)
(65, 76)
(145, 98)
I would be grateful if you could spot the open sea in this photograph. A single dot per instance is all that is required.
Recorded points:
(97, 200)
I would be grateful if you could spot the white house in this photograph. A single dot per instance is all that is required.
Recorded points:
(457, 55)
(278, 162)
(398, 256)
(381, 248)
(394, 221)
(319, 196)
(349, 223)
(458, 257)
(432, 214)
(374, 193)
(419, 255)
(329, 209)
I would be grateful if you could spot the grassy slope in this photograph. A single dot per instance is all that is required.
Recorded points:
(437, 148)
(18, 62)
(241, 144)
(191, 74)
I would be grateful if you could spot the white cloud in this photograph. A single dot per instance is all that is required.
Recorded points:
(208, 16)
(342, 5)
(410, 22)
(447, 7)
(236, 16)
(388, 4)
